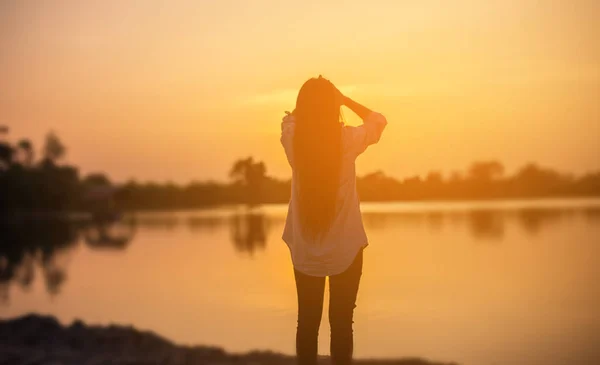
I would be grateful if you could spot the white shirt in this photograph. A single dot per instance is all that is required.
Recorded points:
(338, 247)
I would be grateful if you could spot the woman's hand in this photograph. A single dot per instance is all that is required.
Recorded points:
(288, 118)
(340, 99)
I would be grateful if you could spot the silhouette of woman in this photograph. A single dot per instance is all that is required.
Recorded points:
(324, 229)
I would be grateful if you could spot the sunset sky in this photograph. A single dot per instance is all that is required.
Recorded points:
(177, 90)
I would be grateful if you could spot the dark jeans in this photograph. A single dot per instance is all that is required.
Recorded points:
(342, 301)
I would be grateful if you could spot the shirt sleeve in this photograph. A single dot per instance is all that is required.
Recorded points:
(288, 125)
(367, 134)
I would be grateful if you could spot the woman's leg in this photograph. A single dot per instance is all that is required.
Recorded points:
(343, 289)
(310, 309)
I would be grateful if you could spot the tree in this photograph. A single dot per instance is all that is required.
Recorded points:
(54, 149)
(6, 151)
(96, 179)
(6, 155)
(434, 178)
(247, 172)
(250, 176)
(486, 171)
(26, 147)
(533, 180)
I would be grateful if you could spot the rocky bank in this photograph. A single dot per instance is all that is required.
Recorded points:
(42, 340)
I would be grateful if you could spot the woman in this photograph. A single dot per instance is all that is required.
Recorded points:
(324, 229)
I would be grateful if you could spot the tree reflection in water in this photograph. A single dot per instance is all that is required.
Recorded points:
(109, 234)
(248, 232)
(485, 225)
(43, 247)
(30, 245)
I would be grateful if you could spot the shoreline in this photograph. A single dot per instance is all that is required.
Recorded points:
(38, 339)
(424, 205)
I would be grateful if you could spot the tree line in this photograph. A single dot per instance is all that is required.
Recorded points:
(29, 183)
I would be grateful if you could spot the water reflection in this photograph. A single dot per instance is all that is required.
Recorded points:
(249, 232)
(592, 214)
(533, 221)
(484, 224)
(109, 234)
(206, 224)
(44, 245)
(487, 225)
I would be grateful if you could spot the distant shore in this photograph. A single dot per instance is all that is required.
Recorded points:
(35, 339)
(42, 185)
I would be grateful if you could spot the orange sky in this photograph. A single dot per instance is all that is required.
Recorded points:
(177, 90)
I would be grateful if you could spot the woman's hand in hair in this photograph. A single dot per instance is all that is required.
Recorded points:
(339, 97)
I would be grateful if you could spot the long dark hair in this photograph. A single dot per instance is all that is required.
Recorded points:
(317, 154)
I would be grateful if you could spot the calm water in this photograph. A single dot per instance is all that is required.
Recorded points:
(488, 283)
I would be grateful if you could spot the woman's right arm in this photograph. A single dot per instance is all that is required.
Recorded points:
(370, 132)
(360, 110)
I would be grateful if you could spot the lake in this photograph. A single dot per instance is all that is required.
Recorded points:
(512, 282)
